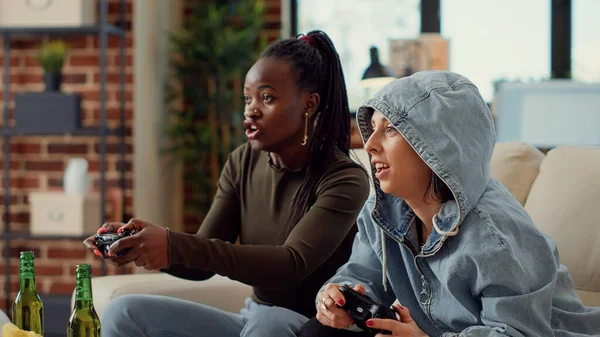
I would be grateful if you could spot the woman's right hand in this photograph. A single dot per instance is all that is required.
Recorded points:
(329, 309)
(109, 227)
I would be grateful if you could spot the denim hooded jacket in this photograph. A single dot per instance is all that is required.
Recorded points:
(485, 270)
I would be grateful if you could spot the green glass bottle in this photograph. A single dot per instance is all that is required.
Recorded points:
(28, 309)
(84, 321)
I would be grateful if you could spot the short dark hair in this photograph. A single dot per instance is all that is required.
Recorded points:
(439, 190)
(318, 69)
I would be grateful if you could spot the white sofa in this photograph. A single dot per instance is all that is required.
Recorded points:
(560, 190)
(3, 319)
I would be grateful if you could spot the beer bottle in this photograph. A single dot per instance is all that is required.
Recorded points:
(84, 321)
(28, 310)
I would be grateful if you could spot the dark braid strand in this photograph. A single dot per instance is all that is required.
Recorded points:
(318, 69)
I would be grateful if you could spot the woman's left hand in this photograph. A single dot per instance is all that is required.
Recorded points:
(149, 247)
(404, 327)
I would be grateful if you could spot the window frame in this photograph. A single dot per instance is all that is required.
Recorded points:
(560, 30)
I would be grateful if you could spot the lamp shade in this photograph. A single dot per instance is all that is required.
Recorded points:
(376, 74)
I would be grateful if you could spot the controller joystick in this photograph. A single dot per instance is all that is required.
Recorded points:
(104, 240)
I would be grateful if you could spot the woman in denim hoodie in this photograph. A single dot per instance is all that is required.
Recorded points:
(443, 237)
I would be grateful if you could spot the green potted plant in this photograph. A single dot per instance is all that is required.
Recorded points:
(210, 55)
(51, 57)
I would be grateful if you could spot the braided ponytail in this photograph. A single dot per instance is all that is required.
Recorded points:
(318, 69)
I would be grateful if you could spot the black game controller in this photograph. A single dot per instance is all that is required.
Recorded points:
(104, 240)
(362, 308)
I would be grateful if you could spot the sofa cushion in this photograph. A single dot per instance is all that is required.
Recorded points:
(3, 320)
(515, 165)
(562, 203)
(218, 291)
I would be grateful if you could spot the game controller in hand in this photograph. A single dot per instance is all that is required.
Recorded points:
(362, 308)
(104, 240)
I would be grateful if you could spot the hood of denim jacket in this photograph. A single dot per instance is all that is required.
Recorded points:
(444, 118)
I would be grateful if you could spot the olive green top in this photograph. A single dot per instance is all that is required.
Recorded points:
(285, 267)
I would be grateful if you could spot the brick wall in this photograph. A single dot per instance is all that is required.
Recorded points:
(54, 266)
(37, 163)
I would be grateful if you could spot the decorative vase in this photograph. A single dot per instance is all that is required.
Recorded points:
(52, 81)
(75, 179)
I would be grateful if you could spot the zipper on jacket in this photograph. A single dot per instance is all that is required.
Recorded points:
(424, 282)
(425, 286)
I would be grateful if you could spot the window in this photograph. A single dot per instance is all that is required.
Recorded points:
(585, 42)
(355, 26)
(493, 40)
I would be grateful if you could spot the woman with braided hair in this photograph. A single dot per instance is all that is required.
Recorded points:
(291, 195)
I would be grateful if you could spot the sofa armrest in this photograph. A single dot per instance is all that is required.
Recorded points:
(218, 291)
(3, 320)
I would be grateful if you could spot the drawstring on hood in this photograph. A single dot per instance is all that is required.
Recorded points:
(441, 232)
(428, 108)
(384, 264)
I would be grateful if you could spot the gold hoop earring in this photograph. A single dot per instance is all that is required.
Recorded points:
(305, 140)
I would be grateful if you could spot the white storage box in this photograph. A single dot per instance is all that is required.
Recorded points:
(55, 213)
(47, 13)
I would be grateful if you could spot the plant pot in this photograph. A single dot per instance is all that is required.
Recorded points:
(47, 112)
(52, 81)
